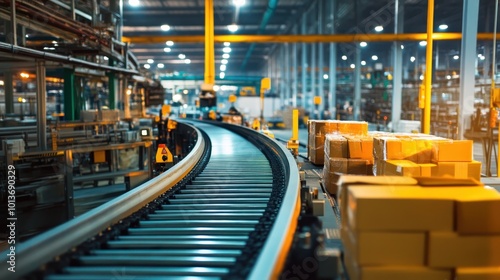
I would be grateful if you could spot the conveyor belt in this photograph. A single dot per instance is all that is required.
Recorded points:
(212, 226)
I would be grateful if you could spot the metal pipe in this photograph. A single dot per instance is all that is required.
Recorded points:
(95, 13)
(13, 22)
(304, 62)
(21, 51)
(209, 43)
(321, 83)
(72, 9)
(41, 102)
(271, 6)
(426, 120)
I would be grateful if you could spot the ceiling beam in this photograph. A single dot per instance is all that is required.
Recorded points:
(336, 38)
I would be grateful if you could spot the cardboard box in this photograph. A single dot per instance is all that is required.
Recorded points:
(316, 149)
(387, 148)
(452, 150)
(330, 180)
(398, 209)
(477, 273)
(360, 148)
(448, 249)
(368, 248)
(478, 213)
(426, 169)
(322, 127)
(402, 168)
(336, 146)
(353, 128)
(471, 169)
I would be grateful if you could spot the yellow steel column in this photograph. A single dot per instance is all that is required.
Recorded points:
(426, 120)
(209, 43)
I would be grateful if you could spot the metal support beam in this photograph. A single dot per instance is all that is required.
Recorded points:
(282, 75)
(287, 75)
(303, 63)
(41, 102)
(126, 98)
(426, 118)
(357, 83)
(332, 94)
(314, 91)
(13, 23)
(209, 43)
(112, 90)
(321, 50)
(467, 58)
(295, 75)
(312, 38)
(397, 85)
(69, 94)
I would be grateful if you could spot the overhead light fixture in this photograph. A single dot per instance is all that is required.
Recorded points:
(456, 57)
(161, 65)
(379, 28)
(325, 76)
(443, 27)
(134, 3)
(233, 27)
(185, 91)
(423, 43)
(216, 88)
(238, 3)
(374, 57)
(167, 49)
(147, 66)
(150, 61)
(223, 67)
(421, 77)
(224, 61)
(227, 44)
(170, 43)
(105, 58)
(165, 27)
(344, 57)
(187, 61)
(222, 75)
(448, 77)
(363, 44)
(226, 56)
(226, 49)
(353, 66)
(412, 59)
(402, 47)
(363, 62)
(182, 56)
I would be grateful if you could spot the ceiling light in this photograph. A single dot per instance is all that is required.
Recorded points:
(443, 27)
(412, 59)
(226, 49)
(224, 61)
(421, 77)
(222, 75)
(105, 58)
(423, 43)
(344, 57)
(216, 88)
(402, 47)
(238, 3)
(455, 57)
(379, 28)
(374, 57)
(448, 77)
(170, 43)
(182, 56)
(165, 27)
(325, 76)
(363, 62)
(167, 49)
(147, 66)
(363, 44)
(482, 57)
(232, 27)
(226, 56)
(134, 3)
(187, 61)
(161, 65)
(185, 91)
(227, 44)
(223, 67)
(151, 61)
(353, 66)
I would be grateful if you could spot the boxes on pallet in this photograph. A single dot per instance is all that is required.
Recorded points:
(449, 250)
(477, 273)
(316, 139)
(335, 166)
(402, 168)
(478, 213)
(336, 146)
(452, 150)
(360, 147)
(353, 128)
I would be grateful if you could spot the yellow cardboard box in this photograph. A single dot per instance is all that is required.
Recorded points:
(426, 169)
(448, 250)
(369, 248)
(399, 209)
(470, 169)
(479, 213)
(336, 146)
(477, 273)
(452, 150)
(402, 168)
(353, 128)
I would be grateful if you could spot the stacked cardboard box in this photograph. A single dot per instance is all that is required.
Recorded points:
(400, 229)
(316, 139)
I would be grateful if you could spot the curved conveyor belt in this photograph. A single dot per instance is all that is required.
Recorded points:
(234, 219)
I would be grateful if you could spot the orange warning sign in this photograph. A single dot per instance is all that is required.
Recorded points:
(164, 151)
